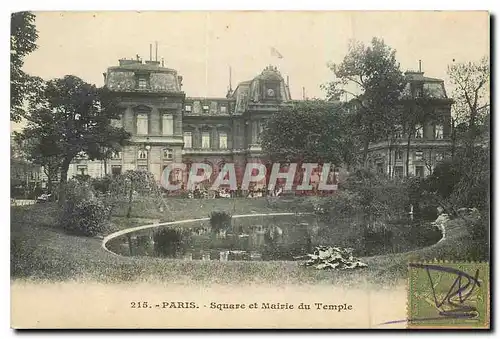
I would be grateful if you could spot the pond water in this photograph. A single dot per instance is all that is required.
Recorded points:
(271, 238)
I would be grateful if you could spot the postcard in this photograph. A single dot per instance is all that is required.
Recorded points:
(250, 170)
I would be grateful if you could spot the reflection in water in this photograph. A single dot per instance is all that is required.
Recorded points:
(271, 238)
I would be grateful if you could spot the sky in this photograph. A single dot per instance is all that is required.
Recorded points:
(202, 46)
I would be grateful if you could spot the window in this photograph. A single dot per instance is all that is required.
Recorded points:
(116, 155)
(398, 131)
(439, 156)
(222, 140)
(188, 140)
(380, 168)
(143, 168)
(142, 124)
(419, 132)
(116, 170)
(168, 124)
(81, 155)
(142, 154)
(418, 92)
(168, 154)
(419, 171)
(223, 109)
(205, 140)
(398, 171)
(142, 83)
(205, 109)
(438, 132)
(81, 169)
(418, 155)
(399, 154)
(187, 108)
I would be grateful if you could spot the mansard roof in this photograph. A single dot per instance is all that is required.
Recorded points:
(250, 91)
(432, 87)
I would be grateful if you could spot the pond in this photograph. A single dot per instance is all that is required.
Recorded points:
(283, 237)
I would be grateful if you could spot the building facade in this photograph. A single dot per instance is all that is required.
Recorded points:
(415, 149)
(169, 127)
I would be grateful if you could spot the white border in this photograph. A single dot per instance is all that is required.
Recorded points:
(10, 6)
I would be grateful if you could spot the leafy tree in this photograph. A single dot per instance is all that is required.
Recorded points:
(31, 149)
(70, 117)
(372, 76)
(311, 131)
(471, 83)
(416, 111)
(23, 36)
(459, 182)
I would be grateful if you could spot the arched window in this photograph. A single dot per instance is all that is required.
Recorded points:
(142, 154)
(116, 155)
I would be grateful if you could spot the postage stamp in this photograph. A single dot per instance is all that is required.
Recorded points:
(449, 295)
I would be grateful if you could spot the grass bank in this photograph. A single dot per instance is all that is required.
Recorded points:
(41, 251)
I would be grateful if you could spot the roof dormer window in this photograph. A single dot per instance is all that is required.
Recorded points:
(142, 81)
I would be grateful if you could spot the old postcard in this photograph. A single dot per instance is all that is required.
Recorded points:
(260, 169)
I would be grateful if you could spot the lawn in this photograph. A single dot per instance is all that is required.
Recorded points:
(41, 251)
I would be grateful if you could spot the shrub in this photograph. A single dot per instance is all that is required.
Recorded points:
(344, 204)
(463, 181)
(480, 234)
(83, 213)
(380, 197)
(376, 237)
(220, 220)
(168, 242)
(102, 185)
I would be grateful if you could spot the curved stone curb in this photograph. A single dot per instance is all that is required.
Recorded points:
(185, 221)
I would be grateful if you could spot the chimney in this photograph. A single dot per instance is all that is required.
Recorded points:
(287, 81)
(150, 52)
(420, 66)
(156, 50)
(162, 63)
(303, 93)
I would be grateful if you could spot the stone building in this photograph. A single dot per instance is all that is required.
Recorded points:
(429, 140)
(169, 127)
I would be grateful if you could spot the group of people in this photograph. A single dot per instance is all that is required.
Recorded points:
(205, 193)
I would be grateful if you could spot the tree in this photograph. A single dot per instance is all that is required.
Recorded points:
(23, 36)
(32, 149)
(69, 117)
(471, 83)
(372, 76)
(313, 131)
(416, 111)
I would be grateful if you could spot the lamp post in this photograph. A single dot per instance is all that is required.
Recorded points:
(147, 148)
